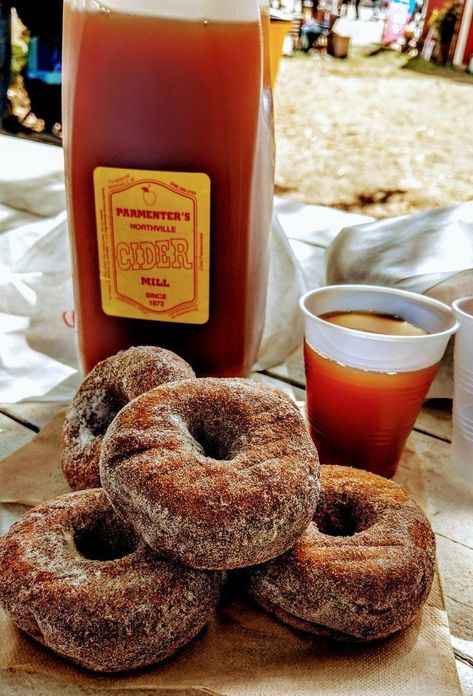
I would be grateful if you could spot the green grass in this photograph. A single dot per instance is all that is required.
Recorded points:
(425, 67)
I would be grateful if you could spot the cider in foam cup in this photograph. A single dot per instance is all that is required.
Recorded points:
(366, 385)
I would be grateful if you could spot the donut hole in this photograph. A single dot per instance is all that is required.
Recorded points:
(209, 445)
(102, 409)
(342, 517)
(338, 522)
(221, 437)
(105, 541)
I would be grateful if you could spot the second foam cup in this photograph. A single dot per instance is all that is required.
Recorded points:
(365, 390)
(462, 439)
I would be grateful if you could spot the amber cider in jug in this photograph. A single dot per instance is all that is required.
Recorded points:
(168, 142)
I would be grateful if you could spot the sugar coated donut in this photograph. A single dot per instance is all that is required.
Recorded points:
(108, 387)
(363, 568)
(78, 580)
(215, 473)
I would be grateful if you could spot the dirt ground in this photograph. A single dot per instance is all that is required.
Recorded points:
(365, 135)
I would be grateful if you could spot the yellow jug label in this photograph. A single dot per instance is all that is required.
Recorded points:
(153, 231)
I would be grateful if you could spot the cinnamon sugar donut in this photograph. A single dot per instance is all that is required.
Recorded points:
(107, 388)
(215, 473)
(78, 580)
(362, 569)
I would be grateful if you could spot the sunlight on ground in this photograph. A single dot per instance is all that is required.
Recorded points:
(365, 135)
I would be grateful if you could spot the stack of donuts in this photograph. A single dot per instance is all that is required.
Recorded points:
(177, 479)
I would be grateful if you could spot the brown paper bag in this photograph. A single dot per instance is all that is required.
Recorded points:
(33, 473)
(243, 651)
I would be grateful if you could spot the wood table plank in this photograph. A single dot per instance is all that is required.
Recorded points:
(456, 566)
(450, 497)
(19, 423)
(34, 412)
(293, 391)
(465, 672)
(435, 418)
(13, 435)
(450, 506)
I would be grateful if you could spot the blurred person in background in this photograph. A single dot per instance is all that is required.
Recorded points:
(42, 72)
(5, 54)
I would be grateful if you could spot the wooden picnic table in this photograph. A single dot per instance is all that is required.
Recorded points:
(450, 505)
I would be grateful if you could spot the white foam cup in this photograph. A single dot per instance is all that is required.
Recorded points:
(377, 352)
(462, 438)
(365, 390)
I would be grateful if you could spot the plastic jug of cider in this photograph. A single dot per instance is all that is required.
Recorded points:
(168, 139)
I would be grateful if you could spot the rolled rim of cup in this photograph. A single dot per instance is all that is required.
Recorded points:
(463, 308)
(377, 352)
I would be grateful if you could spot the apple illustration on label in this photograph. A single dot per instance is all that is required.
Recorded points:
(149, 196)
